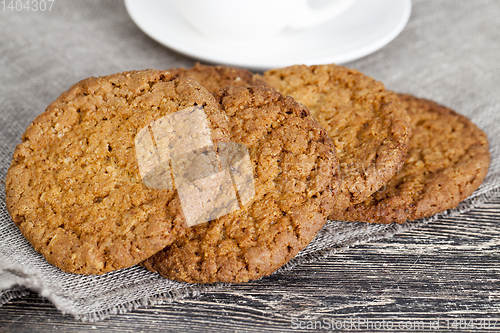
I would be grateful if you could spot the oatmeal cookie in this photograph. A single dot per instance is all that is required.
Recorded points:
(368, 125)
(214, 78)
(296, 179)
(74, 187)
(447, 160)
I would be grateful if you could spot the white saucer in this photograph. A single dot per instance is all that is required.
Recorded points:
(362, 29)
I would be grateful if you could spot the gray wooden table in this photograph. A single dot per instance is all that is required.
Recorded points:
(443, 277)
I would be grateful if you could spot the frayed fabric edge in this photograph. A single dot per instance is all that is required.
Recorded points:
(160, 298)
(12, 293)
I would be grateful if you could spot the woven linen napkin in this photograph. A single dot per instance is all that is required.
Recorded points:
(448, 52)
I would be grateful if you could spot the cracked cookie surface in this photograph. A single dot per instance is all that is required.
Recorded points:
(447, 160)
(296, 179)
(368, 125)
(74, 188)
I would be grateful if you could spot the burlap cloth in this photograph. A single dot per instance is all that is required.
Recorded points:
(449, 52)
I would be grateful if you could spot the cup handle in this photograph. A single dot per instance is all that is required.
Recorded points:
(306, 17)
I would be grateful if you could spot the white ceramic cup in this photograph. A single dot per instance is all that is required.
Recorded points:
(243, 21)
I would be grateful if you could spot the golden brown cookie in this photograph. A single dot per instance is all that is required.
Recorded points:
(447, 160)
(296, 179)
(368, 125)
(74, 187)
(214, 78)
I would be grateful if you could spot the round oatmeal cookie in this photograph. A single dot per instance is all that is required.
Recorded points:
(296, 179)
(74, 186)
(214, 78)
(447, 160)
(368, 125)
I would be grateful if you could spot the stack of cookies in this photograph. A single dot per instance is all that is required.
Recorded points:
(321, 142)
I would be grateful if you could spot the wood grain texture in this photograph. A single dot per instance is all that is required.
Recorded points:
(448, 270)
